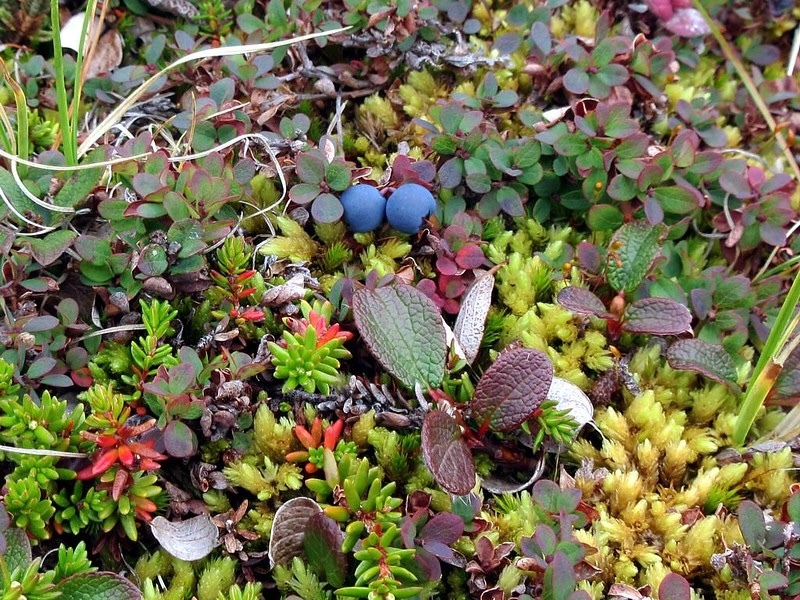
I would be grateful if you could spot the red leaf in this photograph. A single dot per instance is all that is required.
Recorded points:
(470, 257)
(446, 454)
(659, 316)
(512, 389)
(583, 302)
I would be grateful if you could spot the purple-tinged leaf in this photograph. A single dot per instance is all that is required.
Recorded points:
(589, 257)
(445, 528)
(303, 193)
(323, 548)
(179, 440)
(559, 576)
(289, 528)
(772, 580)
(735, 183)
(552, 498)
(706, 162)
(42, 323)
(659, 316)
(447, 455)
(576, 81)
(180, 378)
(403, 329)
(710, 360)
(48, 249)
(310, 168)
(653, 211)
(787, 385)
(622, 188)
(687, 22)
(327, 209)
(428, 563)
(674, 587)
(56, 380)
(512, 388)
(675, 199)
(439, 550)
(583, 302)
(40, 367)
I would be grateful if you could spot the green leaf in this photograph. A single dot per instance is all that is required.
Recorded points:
(512, 389)
(81, 183)
(18, 549)
(622, 188)
(323, 547)
(710, 360)
(571, 144)
(403, 329)
(633, 249)
(604, 217)
(446, 454)
(559, 578)
(48, 249)
(675, 199)
(102, 584)
(337, 175)
(310, 168)
(752, 524)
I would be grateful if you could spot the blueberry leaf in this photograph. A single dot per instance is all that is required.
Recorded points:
(512, 388)
(446, 454)
(674, 587)
(403, 329)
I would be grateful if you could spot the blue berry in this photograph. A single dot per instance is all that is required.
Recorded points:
(364, 208)
(408, 206)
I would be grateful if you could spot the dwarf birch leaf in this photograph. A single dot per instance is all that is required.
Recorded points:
(323, 547)
(472, 315)
(569, 396)
(191, 539)
(289, 529)
(403, 329)
(103, 584)
(710, 360)
(446, 454)
(583, 302)
(660, 316)
(512, 388)
(634, 248)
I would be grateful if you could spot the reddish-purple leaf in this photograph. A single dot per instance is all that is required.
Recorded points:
(445, 528)
(447, 455)
(470, 257)
(583, 302)
(446, 266)
(674, 587)
(659, 316)
(687, 22)
(323, 547)
(710, 360)
(512, 388)
(179, 440)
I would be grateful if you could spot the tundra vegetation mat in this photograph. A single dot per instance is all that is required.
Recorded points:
(414, 299)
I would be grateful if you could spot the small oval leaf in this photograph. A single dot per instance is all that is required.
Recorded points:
(512, 388)
(583, 302)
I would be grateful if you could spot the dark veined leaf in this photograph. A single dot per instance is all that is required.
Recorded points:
(583, 302)
(659, 316)
(323, 548)
(710, 360)
(447, 455)
(403, 329)
(102, 584)
(289, 528)
(512, 388)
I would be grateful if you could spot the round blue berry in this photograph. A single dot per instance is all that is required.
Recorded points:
(408, 205)
(364, 208)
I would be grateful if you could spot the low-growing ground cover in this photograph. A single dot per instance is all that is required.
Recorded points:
(398, 300)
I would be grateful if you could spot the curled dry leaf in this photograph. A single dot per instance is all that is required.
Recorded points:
(191, 539)
(569, 396)
(471, 318)
(290, 291)
(288, 529)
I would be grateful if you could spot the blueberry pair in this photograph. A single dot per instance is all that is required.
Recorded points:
(407, 206)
